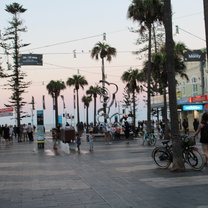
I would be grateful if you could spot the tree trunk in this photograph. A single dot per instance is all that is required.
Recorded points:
(134, 110)
(56, 110)
(16, 53)
(87, 119)
(95, 109)
(78, 120)
(178, 163)
(103, 86)
(148, 83)
(206, 22)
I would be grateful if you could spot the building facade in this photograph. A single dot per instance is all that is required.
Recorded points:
(192, 94)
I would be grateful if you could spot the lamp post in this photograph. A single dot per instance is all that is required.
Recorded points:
(206, 22)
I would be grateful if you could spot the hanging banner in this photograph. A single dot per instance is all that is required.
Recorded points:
(6, 112)
(31, 59)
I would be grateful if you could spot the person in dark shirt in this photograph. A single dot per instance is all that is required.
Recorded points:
(195, 124)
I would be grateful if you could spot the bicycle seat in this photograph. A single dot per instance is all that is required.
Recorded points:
(165, 142)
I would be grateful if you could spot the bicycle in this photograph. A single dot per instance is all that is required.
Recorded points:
(150, 138)
(163, 155)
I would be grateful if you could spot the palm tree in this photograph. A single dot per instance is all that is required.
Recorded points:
(178, 162)
(103, 51)
(132, 77)
(94, 91)
(86, 100)
(54, 88)
(146, 13)
(77, 81)
(159, 72)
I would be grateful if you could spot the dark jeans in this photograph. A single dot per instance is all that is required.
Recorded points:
(30, 136)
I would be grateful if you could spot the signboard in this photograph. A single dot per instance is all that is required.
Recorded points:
(192, 107)
(183, 101)
(31, 59)
(6, 112)
(195, 55)
(60, 120)
(198, 99)
(40, 125)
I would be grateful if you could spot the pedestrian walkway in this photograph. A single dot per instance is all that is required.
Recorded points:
(119, 175)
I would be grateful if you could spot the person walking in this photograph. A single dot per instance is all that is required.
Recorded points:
(203, 129)
(106, 133)
(90, 140)
(24, 133)
(126, 131)
(78, 141)
(6, 133)
(30, 132)
(185, 126)
(195, 124)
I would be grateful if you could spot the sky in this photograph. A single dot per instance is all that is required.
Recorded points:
(58, 27)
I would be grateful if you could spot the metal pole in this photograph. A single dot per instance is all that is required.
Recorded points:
(206, 22)
(202, 77)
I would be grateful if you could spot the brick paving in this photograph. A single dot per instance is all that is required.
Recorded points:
(119, 175)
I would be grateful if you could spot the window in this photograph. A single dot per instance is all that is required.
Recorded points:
(194, 86)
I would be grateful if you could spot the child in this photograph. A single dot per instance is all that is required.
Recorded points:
(90, 139)
(78, 141)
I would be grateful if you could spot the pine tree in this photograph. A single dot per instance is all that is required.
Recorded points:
(12, 46)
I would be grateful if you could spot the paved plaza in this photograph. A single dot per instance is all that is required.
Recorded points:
(119, 175)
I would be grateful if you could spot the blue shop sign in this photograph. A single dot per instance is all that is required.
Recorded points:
(192, 107)
(183, 101)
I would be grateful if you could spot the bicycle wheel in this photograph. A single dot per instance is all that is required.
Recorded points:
(195, 159)
(162, 157)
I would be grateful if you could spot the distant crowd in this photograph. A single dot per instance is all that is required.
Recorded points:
(22, 134)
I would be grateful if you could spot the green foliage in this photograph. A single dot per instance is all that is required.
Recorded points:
(103, 50)
(86, 100)
(77, 81)
(12, 45)
(54, 87)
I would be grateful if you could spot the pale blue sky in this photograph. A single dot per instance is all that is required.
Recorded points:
(55, 21)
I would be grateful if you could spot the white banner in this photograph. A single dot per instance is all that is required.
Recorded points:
(6, 112)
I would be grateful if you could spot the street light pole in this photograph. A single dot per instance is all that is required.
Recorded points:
(206, 22)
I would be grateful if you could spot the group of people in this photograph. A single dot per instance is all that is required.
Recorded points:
(111, 132)
(22, 133)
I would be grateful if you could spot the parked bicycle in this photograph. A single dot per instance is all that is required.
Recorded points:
(163, 155)
(149, 138)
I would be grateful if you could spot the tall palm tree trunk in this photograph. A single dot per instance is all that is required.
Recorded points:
(95, 109)
(178, 163)
(78, 120)
(134, 110)
(87, 118)
(148, 82)
(103, 86)
(56, 110)
(165, 117)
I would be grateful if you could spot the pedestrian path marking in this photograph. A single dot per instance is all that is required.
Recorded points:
(176, 181)
(121, 149)
(136, 168)
(127, 160)
(33, 172)
(45, 185)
